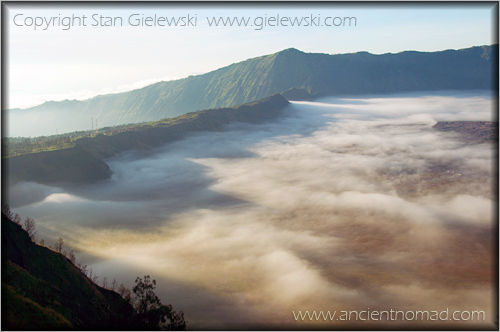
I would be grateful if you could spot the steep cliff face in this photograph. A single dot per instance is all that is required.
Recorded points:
(257, 78)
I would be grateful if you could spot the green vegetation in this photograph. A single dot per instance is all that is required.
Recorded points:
(84, 163)
(23, 145)
(22, 312)
(16, 146)
(150, 312)
(74, 165)
(316, 74)
(43, 289)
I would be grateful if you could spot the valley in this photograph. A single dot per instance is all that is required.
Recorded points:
(332, 204)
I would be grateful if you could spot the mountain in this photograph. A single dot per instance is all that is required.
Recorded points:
(257, 78)
(83, 162)
(43, 290)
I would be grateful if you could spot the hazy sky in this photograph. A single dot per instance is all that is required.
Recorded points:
(55, 63)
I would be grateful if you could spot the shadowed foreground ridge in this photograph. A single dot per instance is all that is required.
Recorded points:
(43, 290)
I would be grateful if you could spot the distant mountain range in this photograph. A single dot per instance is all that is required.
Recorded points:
(307, 75)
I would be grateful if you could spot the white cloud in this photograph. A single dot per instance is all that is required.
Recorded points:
(331, 208)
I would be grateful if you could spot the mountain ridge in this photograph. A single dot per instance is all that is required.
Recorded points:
(83, 162)
(319, 74)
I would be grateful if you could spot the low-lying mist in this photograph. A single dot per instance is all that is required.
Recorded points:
(342, 204)
(33, 123)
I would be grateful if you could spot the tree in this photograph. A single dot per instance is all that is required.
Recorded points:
(93, 276)
(105, 282)
(83, 268)
(113, 285)
(17, 219)
(30, 228)
(177, 321)
(59, 244)
(151, 314)
(6, 210)
(125, 293)
(144, 295)
(42, 242)
(71, 256)
(121, 290)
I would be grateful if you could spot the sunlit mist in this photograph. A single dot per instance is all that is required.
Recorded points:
(341, 204)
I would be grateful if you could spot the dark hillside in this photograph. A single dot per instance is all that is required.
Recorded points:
(43, 290)
(66, 165)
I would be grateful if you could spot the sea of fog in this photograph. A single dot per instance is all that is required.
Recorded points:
(341, 204)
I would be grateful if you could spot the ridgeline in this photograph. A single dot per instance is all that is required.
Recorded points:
(83, 162)
(43, 290)
(253, 79)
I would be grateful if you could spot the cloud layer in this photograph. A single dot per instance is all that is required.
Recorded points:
(344, 204)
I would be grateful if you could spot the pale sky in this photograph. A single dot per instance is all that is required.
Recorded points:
(50, 63)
